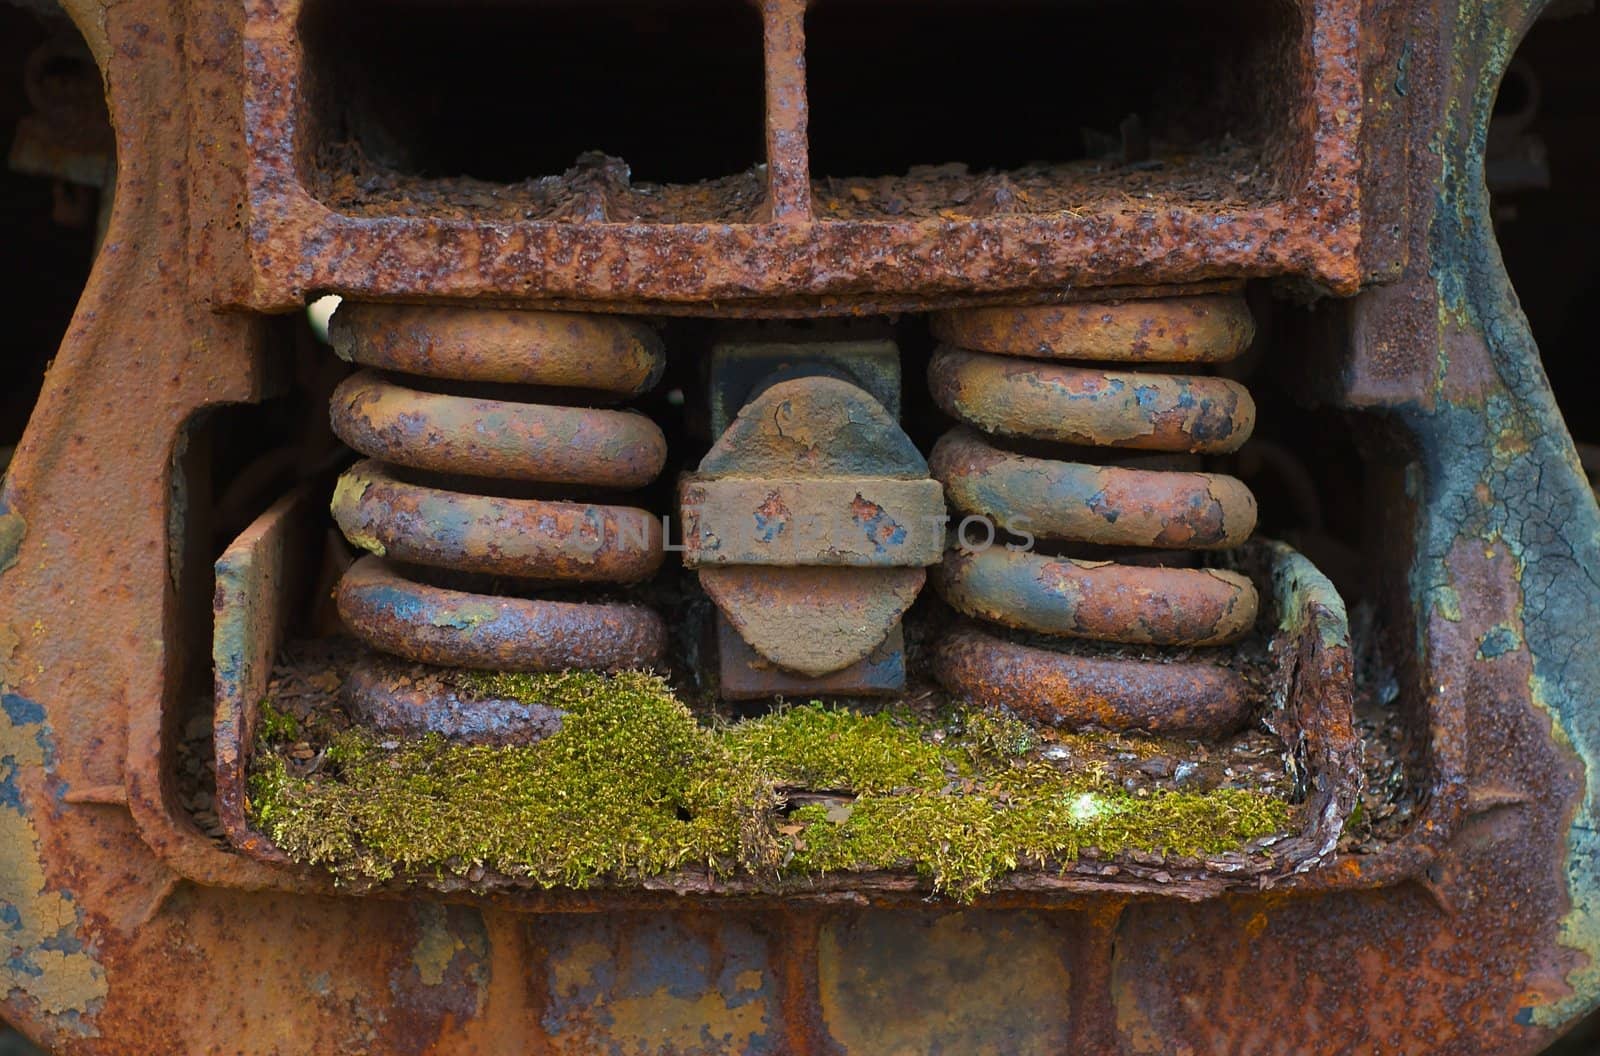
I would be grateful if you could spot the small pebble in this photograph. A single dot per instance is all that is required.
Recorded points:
(1157, 766)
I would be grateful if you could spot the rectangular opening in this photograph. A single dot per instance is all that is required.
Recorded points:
(593, 112)
(1022, 106)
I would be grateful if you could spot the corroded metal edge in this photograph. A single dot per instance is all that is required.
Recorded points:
(258, 578)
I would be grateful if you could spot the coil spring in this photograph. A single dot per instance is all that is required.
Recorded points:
(1001, 373)
(434, 542)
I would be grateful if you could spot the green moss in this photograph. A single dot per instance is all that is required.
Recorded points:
(12, 530)
(998, 736)
(633, 786)
(818, 748)
(275, 725)
(1028, 817)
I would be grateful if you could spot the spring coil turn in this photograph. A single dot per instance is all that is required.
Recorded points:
(1018, 376)
(461, 560)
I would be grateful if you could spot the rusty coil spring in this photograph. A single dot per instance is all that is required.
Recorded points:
(1019, 376)
(464, 548)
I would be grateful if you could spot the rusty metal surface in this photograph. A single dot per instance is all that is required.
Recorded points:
(496, 438)
(783, 33)
(530, 538)
(859, 521)
(257, 578)
(412, 700)
(814, 427)
(1104, 505)
(302, 238)
(1009, 396)
(437, 625)
(564, 350)
(1034, 497)
(1475, 933)
(745, 674)
(752, 356)
(813, 620)
(1097, 599)
(810, 521)
(1162, 330)
(1195, 697)
(405, 522)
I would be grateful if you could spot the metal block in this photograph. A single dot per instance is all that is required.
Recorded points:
(745, 674)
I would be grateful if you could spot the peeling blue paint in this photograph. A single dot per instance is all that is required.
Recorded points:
(1543, 512)
(769, 528)
(20, 710)
(1498, 641)
(882, 530)
(10, 795)
(642, 985)
(49, 964)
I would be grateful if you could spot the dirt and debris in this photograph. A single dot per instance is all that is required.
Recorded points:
(1224, 176)
(1390, 794)
(596, 189)
(197, 776)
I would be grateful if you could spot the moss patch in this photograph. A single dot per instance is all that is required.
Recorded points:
(633, 786)
(274, 725)
(12, 530)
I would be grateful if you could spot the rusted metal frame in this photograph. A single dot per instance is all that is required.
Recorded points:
(1390, 338)
(225, 358)
(1489, 398)
(783, 32)
(1495, 524)
(92, 632)
(922, 264)
(1393, 72)
(258, 580)
(1313, 234)
(1173, 966)
(864, 303)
